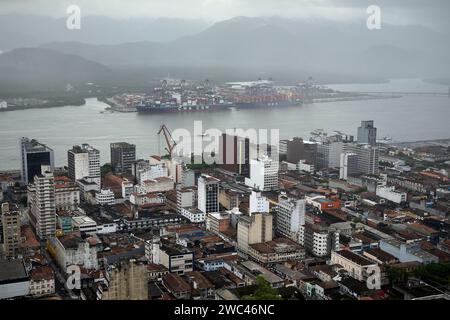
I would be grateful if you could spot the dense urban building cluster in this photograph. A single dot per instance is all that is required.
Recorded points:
(330, 218)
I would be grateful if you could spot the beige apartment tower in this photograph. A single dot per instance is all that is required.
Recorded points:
(10, 219)
(253, 229)
(128, 280)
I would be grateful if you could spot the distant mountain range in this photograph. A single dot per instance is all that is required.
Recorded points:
(262, 45)
(18, 30)
(43, 69)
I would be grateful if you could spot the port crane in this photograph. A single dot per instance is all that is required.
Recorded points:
(169, 140)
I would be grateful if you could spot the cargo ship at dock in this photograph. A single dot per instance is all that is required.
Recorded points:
(263, 94)
(174, 107)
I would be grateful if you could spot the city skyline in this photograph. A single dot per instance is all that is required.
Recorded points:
(222, 158)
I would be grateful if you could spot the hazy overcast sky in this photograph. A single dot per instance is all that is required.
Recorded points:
(423, 12)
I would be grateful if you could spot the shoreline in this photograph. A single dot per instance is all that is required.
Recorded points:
(116, 108)
(73, 103)
(356, 98)
(420, 143)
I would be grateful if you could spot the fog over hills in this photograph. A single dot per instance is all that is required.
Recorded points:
(32, 30)
(298, 47)
(44, 69)
(294, 44)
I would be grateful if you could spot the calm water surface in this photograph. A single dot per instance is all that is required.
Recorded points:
(412, 117)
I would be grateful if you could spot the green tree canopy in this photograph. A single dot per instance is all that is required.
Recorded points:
(263, 291)
(105, 169)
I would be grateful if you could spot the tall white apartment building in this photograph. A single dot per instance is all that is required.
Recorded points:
(263, 174)
(78, 163)
(258, 203)
(348, 166)
(186, 205)
(84, 163)
(186, 198)
(290, 216)
(208, 193)
(367, 157)
(328, 154)
(43, 204)
(318, 240)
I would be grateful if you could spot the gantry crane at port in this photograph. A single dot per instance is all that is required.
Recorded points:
(169, 140)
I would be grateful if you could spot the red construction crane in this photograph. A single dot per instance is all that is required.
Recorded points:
(169, 140)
